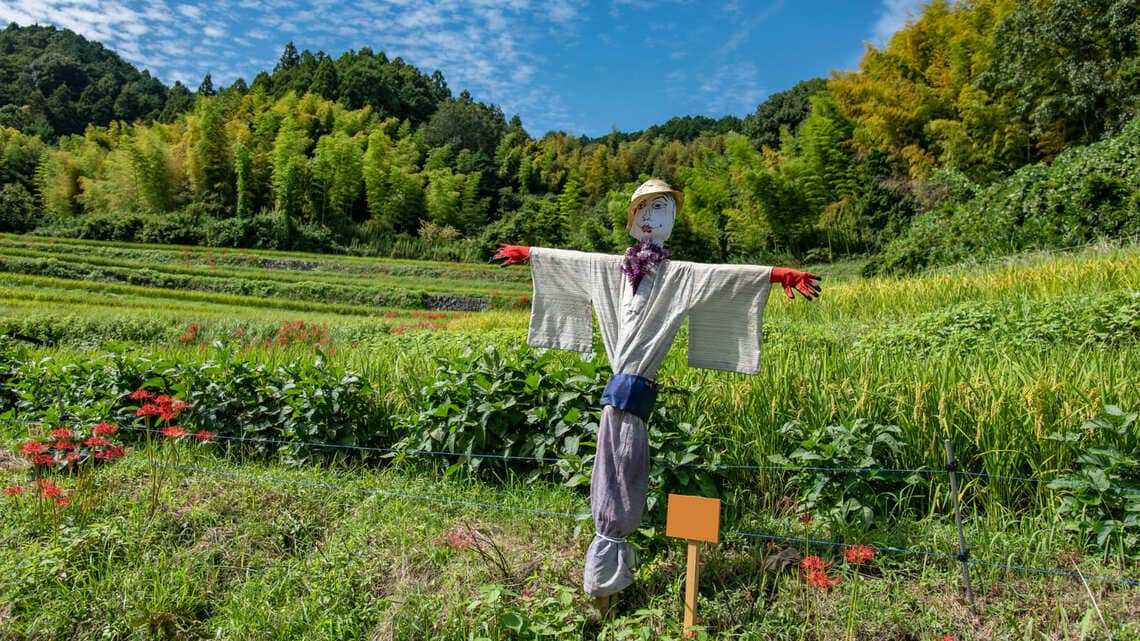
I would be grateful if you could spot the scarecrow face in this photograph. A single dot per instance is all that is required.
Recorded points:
(653, 219)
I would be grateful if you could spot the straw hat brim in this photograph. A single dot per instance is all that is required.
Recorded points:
(678, 197)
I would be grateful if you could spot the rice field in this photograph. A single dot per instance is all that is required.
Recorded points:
(1008, 361)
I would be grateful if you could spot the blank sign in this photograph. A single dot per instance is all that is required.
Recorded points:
(694, 518)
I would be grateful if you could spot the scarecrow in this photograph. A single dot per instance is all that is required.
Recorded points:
(640, 300)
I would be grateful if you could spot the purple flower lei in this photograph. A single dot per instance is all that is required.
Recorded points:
(640, 259)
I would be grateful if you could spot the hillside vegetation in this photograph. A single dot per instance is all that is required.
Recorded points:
(951, 127)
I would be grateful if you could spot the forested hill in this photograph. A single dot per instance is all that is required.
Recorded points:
(1009, 116)
(54, 82)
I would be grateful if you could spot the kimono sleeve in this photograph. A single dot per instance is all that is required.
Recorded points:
(726, 313)
(561, 315)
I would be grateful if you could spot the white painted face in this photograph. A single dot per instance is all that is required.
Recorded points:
(653, 219)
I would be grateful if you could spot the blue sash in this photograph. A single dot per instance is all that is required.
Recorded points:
(631, 393)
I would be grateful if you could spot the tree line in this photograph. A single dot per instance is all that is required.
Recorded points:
(368, 154)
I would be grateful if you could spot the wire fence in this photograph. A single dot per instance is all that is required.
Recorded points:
(547, 460)
(963, 556)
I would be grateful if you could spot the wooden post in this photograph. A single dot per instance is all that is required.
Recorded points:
(692, 576)
(694, 519)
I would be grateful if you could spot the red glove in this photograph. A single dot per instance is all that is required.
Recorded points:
(511, 254)
(806, 283)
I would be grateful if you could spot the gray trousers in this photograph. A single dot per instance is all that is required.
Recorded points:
(618, 485)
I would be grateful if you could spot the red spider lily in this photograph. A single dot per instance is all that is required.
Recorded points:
(96, 441)
(814, 564)
(31, 448)
(140, 395)
(205, 435)
(63, 433)
(72, 457)
(104, 429)
(62, 502)
(163, 399)
(819, 579)
(193, 327)
(173, 431)
(859, 554)
(48, 489)
(63, 445)
(948, 638)
(806, 517)
(457, 538)
(43, 459)
(111, 453)
(167, 414)
(13, 490)
(179, 406)
(148, 409)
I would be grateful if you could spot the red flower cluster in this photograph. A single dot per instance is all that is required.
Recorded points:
(204, 436)
(13, 490)
(815, 572)
(173, 431)
(405, 328)
(49, 490)
(111, 453)
(68, 447)
(301, 333)
(457, 537)
(190, 336)
(859, 554)
(815, 564)
(161, 406)
(32, 448)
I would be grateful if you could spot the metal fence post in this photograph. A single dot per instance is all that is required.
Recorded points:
(963, 551)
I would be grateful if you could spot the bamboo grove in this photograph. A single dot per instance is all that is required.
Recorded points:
(369, 155)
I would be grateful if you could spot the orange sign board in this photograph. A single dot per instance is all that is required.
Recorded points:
(693, 517)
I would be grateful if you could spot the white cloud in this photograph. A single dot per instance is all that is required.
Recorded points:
(894, 17)
(485, 46)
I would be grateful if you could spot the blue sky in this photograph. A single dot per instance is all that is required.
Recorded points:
(583, 67)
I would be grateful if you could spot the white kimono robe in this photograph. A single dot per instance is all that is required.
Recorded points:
(725, 307)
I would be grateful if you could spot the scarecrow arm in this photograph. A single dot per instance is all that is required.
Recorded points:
(511, 254)
(806, 283)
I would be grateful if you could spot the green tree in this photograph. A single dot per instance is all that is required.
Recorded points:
(210, 159)
(153, 175)
(783, 109)
(289, 168)
(1070, 68)
(337, 179)
(243, 180)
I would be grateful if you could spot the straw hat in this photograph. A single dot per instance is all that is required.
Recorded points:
(649, 189)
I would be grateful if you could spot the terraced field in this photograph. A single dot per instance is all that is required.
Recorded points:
(82, 291)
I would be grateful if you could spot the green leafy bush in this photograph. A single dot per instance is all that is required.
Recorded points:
(301, 399)
(859, 495)
(1100, 497)
(1087, 193)
(529, 406)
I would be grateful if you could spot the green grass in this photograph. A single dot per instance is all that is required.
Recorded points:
(247, 550)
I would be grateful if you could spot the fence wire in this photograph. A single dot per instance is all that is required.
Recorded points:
(583, 516)
(414, 452)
